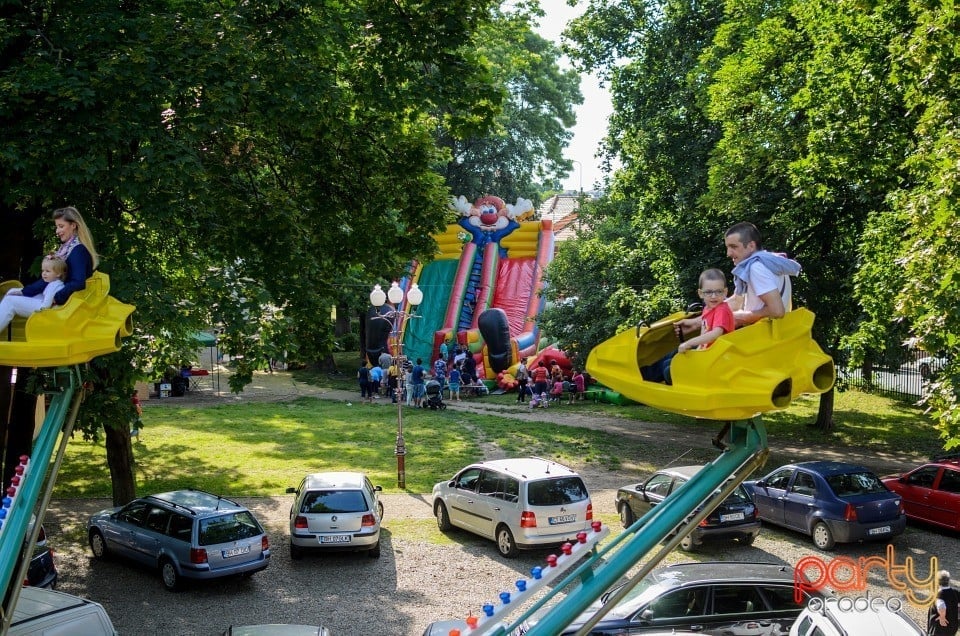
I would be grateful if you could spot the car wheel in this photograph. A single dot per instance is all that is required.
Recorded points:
(687, 544)
(505, 543)
(374, 552)
(747, 539)
(925, 371)
(443, 519)
(822, 537)
(98, 545)
(168, 573)
(626, 515)
(296, 552)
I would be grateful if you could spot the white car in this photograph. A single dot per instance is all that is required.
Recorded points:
(335, 511)
(521, 504)
(828, 618)
(927, 366)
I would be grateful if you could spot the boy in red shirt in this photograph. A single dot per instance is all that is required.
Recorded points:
(715, 320)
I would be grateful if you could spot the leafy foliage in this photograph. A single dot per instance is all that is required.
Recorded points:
(830, 125)
(525, 145)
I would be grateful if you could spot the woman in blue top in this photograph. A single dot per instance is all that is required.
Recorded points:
(76, 249)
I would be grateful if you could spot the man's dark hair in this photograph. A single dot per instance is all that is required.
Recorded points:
(747, 232)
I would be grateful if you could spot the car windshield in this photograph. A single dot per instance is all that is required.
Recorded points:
(556, 492)
(228, 527)
(859, 483)
(334, 501)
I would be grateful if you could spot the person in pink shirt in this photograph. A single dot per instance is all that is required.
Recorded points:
(579, 386)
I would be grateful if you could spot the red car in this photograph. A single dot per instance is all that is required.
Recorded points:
(931, 493)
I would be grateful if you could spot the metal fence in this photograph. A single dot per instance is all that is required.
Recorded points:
(907, 382)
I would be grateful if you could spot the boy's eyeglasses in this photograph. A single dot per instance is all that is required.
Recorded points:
(713, 292)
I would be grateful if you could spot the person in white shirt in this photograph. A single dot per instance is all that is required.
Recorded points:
(762, 279)
(15, 303)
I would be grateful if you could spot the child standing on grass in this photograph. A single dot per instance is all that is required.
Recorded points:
(455, 383)
(556, 393)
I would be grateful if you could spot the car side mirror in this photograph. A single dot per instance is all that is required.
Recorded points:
(647, 615)
(291, 491)
(760, 483)
(378, 488)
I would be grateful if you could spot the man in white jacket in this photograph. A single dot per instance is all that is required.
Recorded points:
(762, 279)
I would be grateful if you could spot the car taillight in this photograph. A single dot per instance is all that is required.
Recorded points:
(368, 520)
(198, 555)
(850, 514)
(756, 513)
(590, 511)
(300, 523)
(42, 536)
(264, 543)
(901, 508)
(703, 523)
(528, 519)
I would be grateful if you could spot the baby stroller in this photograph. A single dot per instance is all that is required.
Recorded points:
(435, 395)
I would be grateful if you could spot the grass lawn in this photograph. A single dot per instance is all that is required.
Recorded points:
(262, 448)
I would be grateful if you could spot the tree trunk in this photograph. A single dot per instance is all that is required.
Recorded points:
(121, 463)
(342, 326)
(867, 372)
(825, 412)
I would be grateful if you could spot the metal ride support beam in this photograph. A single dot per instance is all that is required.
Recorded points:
(746, 449)
(65, 403)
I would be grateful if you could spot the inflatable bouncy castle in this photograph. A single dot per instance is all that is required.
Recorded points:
(481, 292)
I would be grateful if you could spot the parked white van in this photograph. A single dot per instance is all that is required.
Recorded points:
(54, 613)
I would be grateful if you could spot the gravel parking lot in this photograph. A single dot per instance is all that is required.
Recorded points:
(417, 580)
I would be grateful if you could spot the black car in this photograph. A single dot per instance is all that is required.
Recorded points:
(726, 597)
(42, 571)
(735, 518)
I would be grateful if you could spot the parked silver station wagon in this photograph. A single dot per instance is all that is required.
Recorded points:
(335, 511)
(186, 534)
(521, 504)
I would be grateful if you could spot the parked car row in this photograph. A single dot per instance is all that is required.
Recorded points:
(191, 534)
(533, 503)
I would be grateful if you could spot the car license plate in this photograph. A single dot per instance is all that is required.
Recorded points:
(880, 530)
(733, 516)
(336, 538)
(232, 552)
(561, 519)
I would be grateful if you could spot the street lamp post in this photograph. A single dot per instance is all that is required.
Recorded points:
(397, 317)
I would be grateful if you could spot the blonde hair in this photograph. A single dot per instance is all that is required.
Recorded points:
(57, 265)
(71, 215)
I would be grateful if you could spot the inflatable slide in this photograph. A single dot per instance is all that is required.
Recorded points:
(482, 291)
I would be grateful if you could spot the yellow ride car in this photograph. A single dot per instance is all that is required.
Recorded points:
(90, 324)
(759, 368)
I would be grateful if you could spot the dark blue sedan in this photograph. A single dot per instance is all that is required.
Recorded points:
(830, 501)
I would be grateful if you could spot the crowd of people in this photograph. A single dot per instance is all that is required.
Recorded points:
(456, 374)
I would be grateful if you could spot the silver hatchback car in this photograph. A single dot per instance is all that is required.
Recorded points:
(186, 534)
(522, 503)
(335, 511)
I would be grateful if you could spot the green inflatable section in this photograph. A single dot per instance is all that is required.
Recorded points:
(436, 281)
